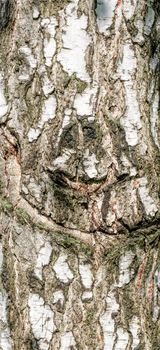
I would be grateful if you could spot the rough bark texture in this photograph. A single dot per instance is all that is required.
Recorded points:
(79, 168)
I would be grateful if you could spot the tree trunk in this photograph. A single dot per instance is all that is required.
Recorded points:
(79, 244)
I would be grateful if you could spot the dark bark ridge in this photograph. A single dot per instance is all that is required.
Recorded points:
(5, 9)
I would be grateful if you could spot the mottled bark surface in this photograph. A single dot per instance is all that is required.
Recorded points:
(79, 175)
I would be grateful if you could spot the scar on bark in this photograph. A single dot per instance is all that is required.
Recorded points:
(64, 179)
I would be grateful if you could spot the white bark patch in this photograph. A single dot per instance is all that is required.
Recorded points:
(27, 52)
(89, 162)
(124, 272)
(149, 21)
(154, 119)
(49, 43)
(35, 13)
(139, 38)
(61, 160)
(86, 275)
(129, 63)
(122, 339)
(24, 77)
(84, 103)
(62, 270)
(87, 295)
(65, 123)
(105, 13)
(5, 340)
(67, 340)
(135, 330)
(75, 42)
(107, 321)
(58, 296)
(48, 110)
(3, 101)
(149, 205)
(48, 86)
(35, 189)
(48, 113)
(129, 7)
(43, 259)
(131, 119)
(33, 134)
(41, 318)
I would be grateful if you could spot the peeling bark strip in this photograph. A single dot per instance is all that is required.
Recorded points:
(79, 175)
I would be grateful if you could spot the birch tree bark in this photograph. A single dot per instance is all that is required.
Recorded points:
(79, 175)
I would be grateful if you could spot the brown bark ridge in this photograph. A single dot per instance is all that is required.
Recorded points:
(79, 175)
